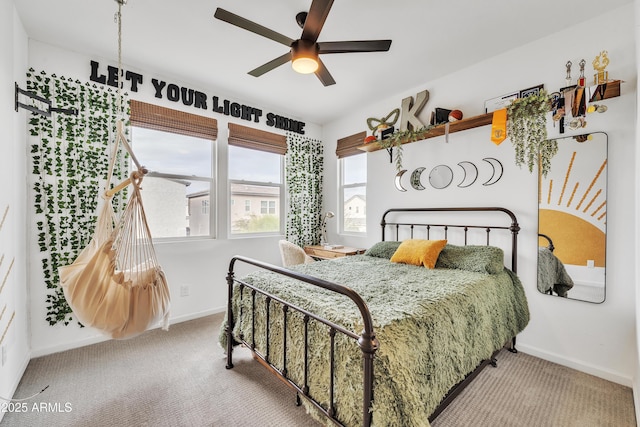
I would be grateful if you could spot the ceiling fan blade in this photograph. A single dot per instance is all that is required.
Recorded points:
(257, 72)
(244, 23)
(324, 75)
(315, 19)
(355, 46)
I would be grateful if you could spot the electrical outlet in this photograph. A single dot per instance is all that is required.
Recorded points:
(184, 290)
(4, 355)
(591, 263)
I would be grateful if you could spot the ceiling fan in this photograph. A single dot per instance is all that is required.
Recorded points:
(305, 51)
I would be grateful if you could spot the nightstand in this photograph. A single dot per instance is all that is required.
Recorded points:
(321, 252)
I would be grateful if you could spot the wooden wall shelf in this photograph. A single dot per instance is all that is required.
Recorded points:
(612, 90)
(457, 126)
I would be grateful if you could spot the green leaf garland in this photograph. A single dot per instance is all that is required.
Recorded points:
(69, 161)
(396, 139)
(304, 168)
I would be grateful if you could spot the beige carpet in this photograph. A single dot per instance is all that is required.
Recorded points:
(526, 391)
(178, 378)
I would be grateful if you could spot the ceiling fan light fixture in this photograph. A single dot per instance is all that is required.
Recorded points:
(304, 57)
(304, 65)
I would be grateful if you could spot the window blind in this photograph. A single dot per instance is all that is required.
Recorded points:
(152, 116)
(348, 146)
(243, 136)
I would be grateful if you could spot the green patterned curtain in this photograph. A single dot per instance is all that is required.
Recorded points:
(69, 161)
(303, 171)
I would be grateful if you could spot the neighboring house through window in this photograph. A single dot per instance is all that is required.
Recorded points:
(353, 184)
(256, 160)
(178, 150)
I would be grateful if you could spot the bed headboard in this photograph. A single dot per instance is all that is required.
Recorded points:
(419, 223)
(549, 241)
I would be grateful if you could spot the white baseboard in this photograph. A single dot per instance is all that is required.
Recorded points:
(192, 316)
(577, 365)
(14, 387)
(101, 338)
(636, 391)
(636, 400)
(69, 346)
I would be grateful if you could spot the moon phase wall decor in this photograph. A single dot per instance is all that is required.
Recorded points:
(442, 176)
(497, 170)
(415, 178)
(399, 180)
(470, 174)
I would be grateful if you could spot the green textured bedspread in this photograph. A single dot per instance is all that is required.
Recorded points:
(433, 327)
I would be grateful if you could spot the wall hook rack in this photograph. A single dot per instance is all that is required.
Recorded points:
(47, 112)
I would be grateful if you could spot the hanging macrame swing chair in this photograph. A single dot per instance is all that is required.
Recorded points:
(116, 284)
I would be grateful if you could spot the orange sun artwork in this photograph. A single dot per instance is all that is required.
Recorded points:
(573, 206)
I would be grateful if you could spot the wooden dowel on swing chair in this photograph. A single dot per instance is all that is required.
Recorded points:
(134, 175)
(114, 190)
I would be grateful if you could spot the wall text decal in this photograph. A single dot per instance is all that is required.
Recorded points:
(194, 98)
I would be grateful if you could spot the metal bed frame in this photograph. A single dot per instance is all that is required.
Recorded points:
(551, 247)
(549, 241)
(366, 340)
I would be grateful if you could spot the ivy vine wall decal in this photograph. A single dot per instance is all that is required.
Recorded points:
(69, 161)
(303, 174)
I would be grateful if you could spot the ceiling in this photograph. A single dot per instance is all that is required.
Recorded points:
(183, 41)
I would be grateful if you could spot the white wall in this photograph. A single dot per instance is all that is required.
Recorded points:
(598, 339)
(636, 379)
(201, 264)
(13, 291)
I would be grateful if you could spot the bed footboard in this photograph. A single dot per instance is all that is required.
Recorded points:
(366, 340)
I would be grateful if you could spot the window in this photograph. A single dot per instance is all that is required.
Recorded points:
(177, 149)
(354, 193)
(268, 207)
(353, 183)
(256, 164)
(255, 177)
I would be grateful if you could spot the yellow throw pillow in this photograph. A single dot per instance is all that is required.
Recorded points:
(419, 252)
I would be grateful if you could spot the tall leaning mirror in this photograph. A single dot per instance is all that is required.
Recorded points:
(572, 218)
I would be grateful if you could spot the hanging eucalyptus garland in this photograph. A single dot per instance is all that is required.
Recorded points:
(303, 174)
(527, 130)
(69, 161)
(396, 139)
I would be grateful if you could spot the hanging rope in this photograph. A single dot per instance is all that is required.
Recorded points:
(119, 19)
(116, 284)
(120, 136)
